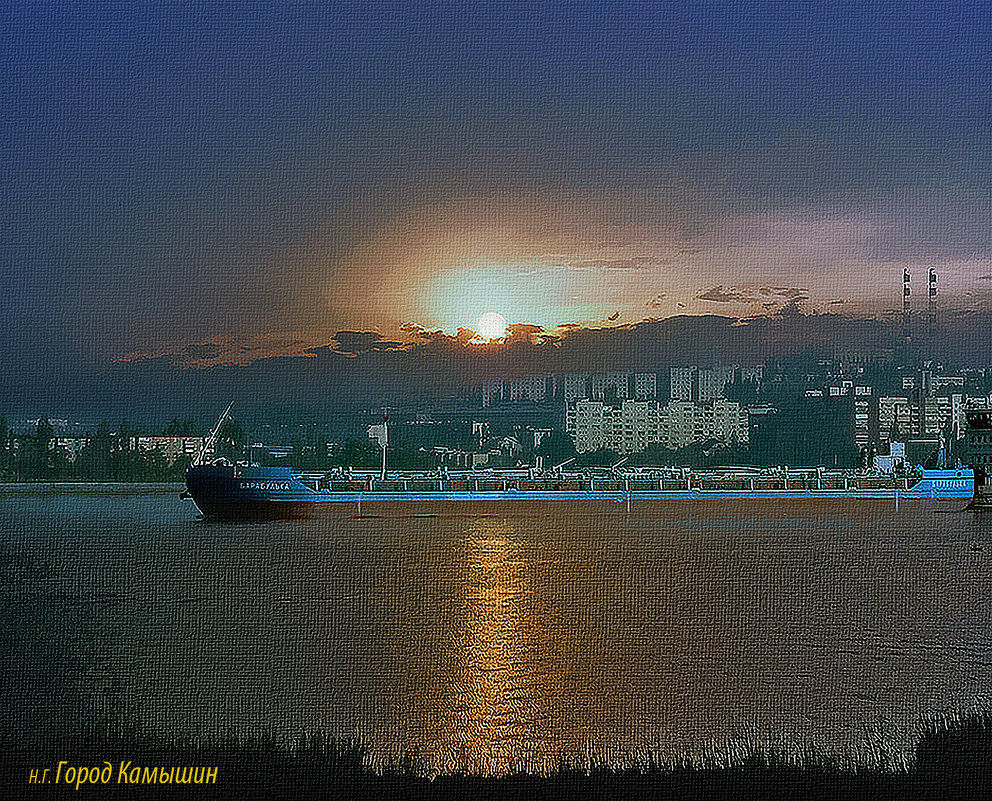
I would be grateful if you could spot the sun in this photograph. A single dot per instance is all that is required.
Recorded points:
(491, 326)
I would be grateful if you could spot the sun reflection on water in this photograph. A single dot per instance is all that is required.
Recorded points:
(495, 705)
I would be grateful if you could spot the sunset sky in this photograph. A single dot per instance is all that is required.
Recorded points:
(256, 178)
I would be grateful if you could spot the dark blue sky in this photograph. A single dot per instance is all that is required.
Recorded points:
(263, 176)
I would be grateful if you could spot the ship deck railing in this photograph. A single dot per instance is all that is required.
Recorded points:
(625, 486)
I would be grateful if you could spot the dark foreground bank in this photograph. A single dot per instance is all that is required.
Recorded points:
(952, 760)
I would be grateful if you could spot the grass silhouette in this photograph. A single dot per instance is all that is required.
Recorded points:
(953, 759)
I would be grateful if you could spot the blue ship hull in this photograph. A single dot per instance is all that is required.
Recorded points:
(254, 493)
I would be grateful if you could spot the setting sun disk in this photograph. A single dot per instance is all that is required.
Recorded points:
(491, 326)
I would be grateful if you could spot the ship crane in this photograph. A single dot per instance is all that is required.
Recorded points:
(212, 439)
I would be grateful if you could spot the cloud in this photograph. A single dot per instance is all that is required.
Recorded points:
(319, 377)
(791, 310)
(749, 294)
(717, 294)
(205, 351)
(218, 352)
(356, 342)
(784, 291)
(524, 333)
(636, 263)
(416, 330)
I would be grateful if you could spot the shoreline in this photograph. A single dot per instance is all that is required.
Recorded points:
(951, 759)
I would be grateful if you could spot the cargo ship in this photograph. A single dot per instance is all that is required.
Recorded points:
(249, 491)
(256, 492)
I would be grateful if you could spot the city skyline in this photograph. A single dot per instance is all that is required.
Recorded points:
(853, 412)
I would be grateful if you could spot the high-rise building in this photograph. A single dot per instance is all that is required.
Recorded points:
(699, 384)
(575, 386)
(492, 392)
(979, 423)
(901, 418)
(611, 386)
(684, 384)
(529, 387)
(645, 386)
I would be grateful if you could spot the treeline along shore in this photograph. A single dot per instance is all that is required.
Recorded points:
(127, 454)
(105, 456)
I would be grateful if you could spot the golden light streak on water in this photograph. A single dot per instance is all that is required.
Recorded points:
(499, 711)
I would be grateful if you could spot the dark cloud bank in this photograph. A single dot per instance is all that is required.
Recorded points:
(358, 370)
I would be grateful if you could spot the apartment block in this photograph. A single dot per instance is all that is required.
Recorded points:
(633, 425)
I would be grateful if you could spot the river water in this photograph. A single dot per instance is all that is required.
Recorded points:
(687, 632)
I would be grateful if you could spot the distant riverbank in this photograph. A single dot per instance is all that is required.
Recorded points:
(143, 487)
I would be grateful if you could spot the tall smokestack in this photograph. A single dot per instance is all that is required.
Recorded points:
(907, 334)
(932, 311)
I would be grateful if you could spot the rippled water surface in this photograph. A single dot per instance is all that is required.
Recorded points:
(487, 642)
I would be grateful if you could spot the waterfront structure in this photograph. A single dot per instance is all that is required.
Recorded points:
(887, 464)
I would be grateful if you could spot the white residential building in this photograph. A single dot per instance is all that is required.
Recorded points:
(171, 448)
(895, 419)
(899, 418)
(71, 446)
(634, 425)
(720, 419)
